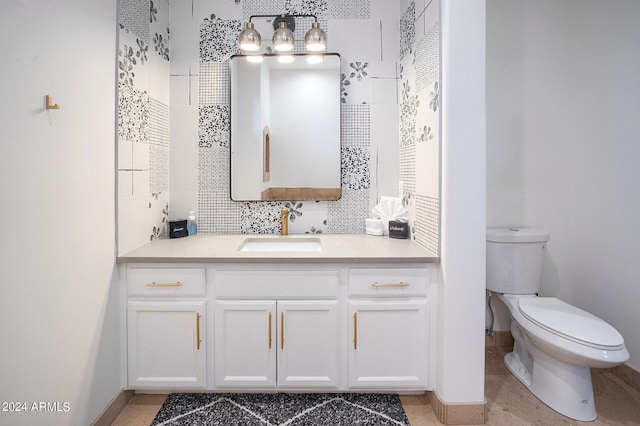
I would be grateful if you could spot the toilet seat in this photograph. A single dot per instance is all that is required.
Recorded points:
(570, 322)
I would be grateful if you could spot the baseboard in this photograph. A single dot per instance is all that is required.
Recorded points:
(114, 408)
(458, 413)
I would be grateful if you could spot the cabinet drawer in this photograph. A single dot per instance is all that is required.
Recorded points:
(383, 282)
(165, 282)
(276, 284)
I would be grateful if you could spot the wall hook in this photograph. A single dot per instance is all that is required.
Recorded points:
(50, 105)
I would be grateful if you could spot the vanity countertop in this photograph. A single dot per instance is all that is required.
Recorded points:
(336, 248)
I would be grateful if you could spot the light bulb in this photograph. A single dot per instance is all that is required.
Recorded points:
(283, 38)
(250, 38)
(315, 39)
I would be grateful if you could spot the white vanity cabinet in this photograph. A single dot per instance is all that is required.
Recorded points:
(277, 326)
(388, 332)
(289, 340)
(166, 328)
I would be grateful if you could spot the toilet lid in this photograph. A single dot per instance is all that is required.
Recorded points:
(570, 322)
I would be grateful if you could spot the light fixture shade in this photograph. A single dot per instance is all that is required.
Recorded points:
(283, 38)
(250, 38)
(315, 39)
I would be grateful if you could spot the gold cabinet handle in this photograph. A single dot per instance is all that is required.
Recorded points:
(281, 330)
(270, 334)
(155, 284)
(355, 331)
(400, 284)
(198, 340)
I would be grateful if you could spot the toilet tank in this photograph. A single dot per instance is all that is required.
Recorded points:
(515, 257)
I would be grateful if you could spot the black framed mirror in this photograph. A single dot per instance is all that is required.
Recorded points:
(285, 127)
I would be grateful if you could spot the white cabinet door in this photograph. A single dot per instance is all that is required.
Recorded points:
(388, 344)
(256, 339)
(166, 348)
(245, 344)
(308, 344)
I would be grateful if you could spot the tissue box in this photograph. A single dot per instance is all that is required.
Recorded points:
(398, 229)
(178, 229)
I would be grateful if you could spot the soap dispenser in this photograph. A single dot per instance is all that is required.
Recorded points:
(192, 225)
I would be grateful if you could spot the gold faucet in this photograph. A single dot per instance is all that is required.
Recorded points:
(284, 222)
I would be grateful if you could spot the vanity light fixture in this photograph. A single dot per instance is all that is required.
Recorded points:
(282, 38)
(250, 38)
(283, 41)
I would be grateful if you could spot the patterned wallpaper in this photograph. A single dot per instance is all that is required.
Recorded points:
(397, 70)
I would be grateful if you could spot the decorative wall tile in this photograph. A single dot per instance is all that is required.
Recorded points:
(347, 215)
(427, 58)
(306, 7)
(135, 16)
(355, 125)
(143, 122)
(133, 114)
(260, 218)
(159, 146)
(133, 56)
(356, 142)
(159, 168)
(419, 128)
(407, 30)
(213, 173)
(214, 126)
(355, 168)
(262, 7)
(218, 39)
(408, 167)
(158, 214)
(349, 9)
(159, 28)
(158, 123)
(426, 230)
(217, 214)
(214, 83)
(356, 82)
(307, 217)
(408, 114)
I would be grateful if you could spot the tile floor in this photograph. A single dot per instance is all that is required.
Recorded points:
(508, 402)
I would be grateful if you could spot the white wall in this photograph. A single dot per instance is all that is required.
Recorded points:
(59, 321)
(460, 340)
(563, 102)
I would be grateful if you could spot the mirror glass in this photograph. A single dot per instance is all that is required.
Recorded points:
(285, 128)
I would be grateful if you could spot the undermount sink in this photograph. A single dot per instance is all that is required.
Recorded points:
(281, 244)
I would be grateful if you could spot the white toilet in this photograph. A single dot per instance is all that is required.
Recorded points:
(555, 344)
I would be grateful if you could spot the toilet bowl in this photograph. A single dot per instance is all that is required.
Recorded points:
(555, 343)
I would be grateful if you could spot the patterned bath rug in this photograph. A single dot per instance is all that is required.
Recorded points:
(281, 409)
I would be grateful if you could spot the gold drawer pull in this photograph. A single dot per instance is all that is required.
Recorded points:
(400, 284)
(198, 340)
(270, 336)
(355, 331)
(155, 284)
